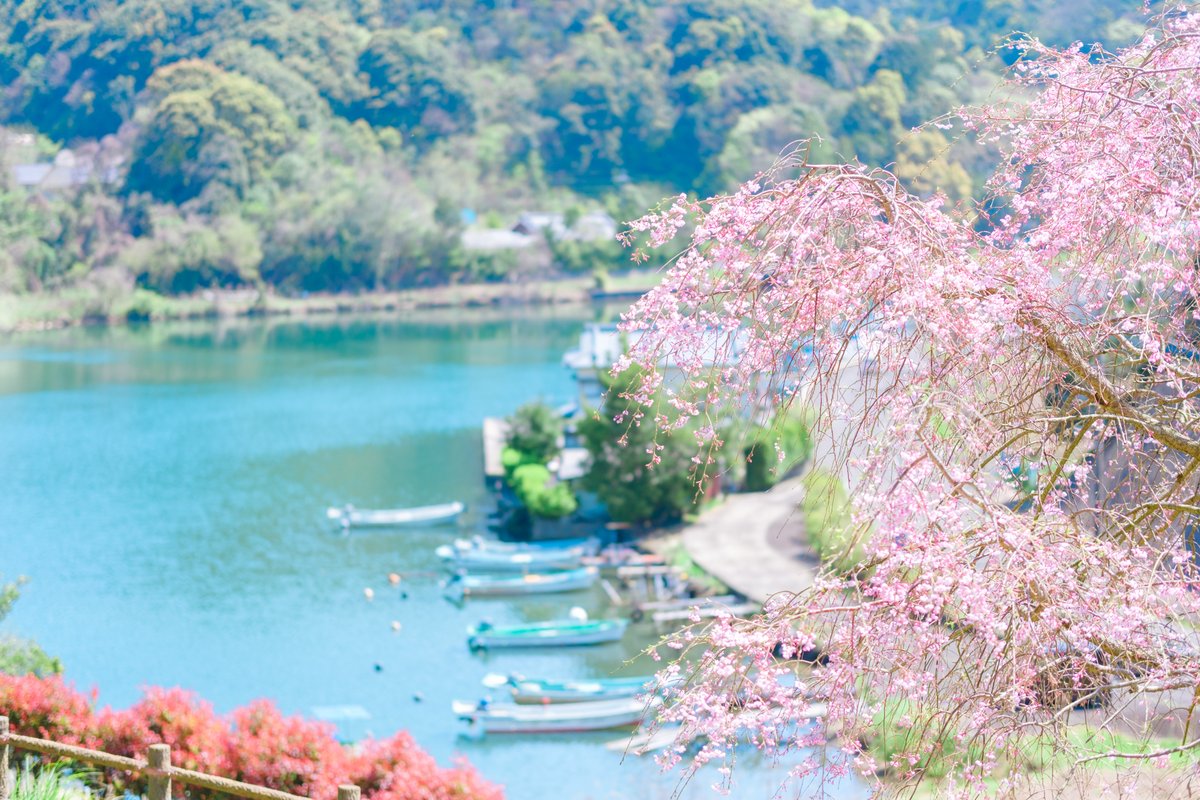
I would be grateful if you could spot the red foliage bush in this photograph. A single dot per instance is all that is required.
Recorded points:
(199, 738)
(290, 754)
(47, 708)
(396, 769)
(255, 744)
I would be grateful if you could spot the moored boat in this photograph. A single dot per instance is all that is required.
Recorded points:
(530, 560)
(557, 633)
(615, 556)
(534, 691)
(531, 583)
(480, 543)
(597, 715)
(349, 516)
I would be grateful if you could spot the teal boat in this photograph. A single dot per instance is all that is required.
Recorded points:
(546, 634)
(529, 691)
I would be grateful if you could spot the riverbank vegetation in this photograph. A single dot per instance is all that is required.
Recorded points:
(829, 521)
(49, 782)
(641, 474)
(21, 656)
(534, 433)
(337, 146)
(776, 449)
(255, 744)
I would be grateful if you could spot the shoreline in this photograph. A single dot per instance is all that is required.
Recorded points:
(87, 307)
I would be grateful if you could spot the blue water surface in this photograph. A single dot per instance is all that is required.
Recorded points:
(164, 490)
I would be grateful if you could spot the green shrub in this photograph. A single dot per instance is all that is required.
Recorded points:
(900, 727)
(631, 489)
(829, 522)
(22, 656)
(532, 485)
(790, 437)
(555, 502)
(50, 782)
(143, 306)
(511, 458)
(533, 429)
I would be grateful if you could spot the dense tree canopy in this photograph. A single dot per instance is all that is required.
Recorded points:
(641, 474)
(271, 111)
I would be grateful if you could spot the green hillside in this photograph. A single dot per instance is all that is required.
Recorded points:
(344, 145)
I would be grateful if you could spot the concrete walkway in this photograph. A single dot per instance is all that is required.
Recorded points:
(754, 543)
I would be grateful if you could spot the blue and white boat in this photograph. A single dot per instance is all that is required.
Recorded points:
(530, 559)
(569, 580)
(534, 691)
(349, 516)
(598, 715)
(587, 546)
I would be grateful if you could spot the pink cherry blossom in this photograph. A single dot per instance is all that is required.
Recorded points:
(1017, 412)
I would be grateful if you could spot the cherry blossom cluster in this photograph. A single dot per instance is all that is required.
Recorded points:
(1012, 395)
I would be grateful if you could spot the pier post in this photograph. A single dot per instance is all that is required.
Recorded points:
(348, 792)
(158, 782)
(5, 786)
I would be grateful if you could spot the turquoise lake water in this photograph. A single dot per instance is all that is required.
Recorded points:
(164, 490)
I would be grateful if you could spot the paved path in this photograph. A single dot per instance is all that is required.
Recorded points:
(754, 543)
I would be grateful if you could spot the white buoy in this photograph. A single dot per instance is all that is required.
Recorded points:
(396, 626)
(578, 614)
(369, 593)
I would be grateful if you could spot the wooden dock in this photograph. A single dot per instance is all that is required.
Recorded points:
(495, 437)
(704, 611)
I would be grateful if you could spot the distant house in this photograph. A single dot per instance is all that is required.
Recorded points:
(538, 223)
(482, 239)
(70, 168)
(591, 227)
(533, 227)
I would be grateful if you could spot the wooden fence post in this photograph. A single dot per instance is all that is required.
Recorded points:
(158, 783)
(345, 792)
(5, 788)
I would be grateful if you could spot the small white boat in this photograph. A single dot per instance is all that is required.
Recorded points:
(349, 516)
(525, 560)
(532, 583)
(481, 544)
(557, 633)
(596, 715)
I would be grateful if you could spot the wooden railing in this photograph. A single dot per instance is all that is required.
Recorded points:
(157, 769)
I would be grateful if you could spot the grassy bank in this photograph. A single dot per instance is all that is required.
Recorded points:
(114, 306)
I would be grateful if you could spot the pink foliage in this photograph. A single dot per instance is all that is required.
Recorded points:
(47, 708)
(1016, 412)
(290, 754)
(396, 768)
(256, 744)
(197, 735)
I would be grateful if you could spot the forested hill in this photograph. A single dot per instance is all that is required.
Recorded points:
(344, 144)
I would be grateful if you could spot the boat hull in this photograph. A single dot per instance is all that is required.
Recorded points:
(531, 583)
(587, 546)
(527, 692)
(578, 717)
(397, 517)
(513, 561)
(546, 635)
